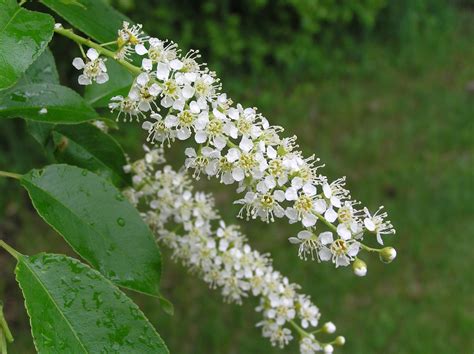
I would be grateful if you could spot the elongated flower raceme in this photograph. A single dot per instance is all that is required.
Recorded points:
(188, 223)
(181, 99)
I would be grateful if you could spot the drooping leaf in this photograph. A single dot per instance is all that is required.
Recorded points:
(23, 37)
(95, 18)
(74, 309)
(99, 223)
(43, 70)
(45, 102)
(119, 84)
(86, 146)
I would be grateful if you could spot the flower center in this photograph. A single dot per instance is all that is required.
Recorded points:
(215, 127)
(267, 201)
(339, 247)
(186, 118)
(304, 204)
(247, 161)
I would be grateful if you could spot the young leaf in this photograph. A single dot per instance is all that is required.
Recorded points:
(99, 224)
(95, 18)
(119, 84)
(74, 309)
(88, 147)
(45, 102)
(23, 37)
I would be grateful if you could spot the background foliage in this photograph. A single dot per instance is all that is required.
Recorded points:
(382, 91)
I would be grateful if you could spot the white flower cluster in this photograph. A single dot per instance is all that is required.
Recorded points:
(238, 145)
(188, 223)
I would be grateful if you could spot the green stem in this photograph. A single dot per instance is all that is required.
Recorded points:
(108, 43)
(325, 222)
(370, 249)
(10, 175)
(3, 343)
(10, 249)
(4, 327)
(298, 329)
(108, 53)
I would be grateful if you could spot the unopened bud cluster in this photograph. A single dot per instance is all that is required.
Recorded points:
(188, 223)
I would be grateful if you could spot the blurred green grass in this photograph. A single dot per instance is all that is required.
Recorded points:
(403, 135)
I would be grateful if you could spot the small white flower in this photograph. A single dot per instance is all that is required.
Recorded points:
(94, 68)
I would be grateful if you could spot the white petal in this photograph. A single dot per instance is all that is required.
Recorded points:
(325, 237)
(92, 54)
(325, 254)
(233, 155)
(78, 63)
(190, 152)
(84, 80)
(188, 91)
(183, 133)
(176, 64)
(200, 137)
(294, 240)
(369, 224)
(309, 189)
(319, 206)
(353, 250)
(336, 201)
(291, 194)
(271, 152)
(343, 231)
(154, 90)
(220, 142)
(330, 215)
(179, 104)
(279, 195)
(304, 235)
(238, 174)
(194, 107)
(309, 220)
(147, 64)
(142, 79)
(162, 71)
(140, 49)
(102, 78)
(246, 144)
(327, 190)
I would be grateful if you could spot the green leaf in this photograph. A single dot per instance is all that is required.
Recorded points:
(100, 225)
(86, 146)
(118, 84)
(43, 70)
(23, 37)
(95, 18)
(74, 309)
(41, 132)
(45, 102)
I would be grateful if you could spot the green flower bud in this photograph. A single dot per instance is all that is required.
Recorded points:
(329, 327)
(388, 254)
(359, 267)
(340, 340)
